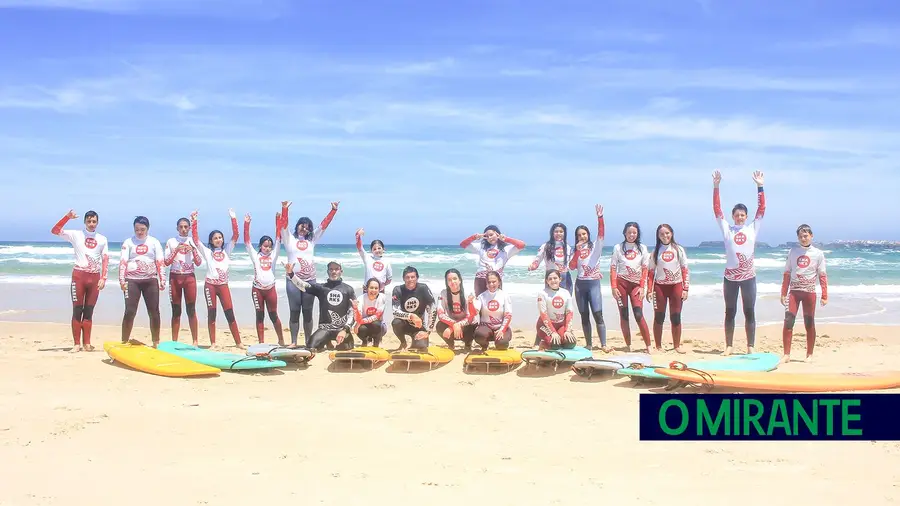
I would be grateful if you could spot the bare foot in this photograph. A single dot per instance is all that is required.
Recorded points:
(659, 348)
(785, 358)
(89, 347)
(75, 349)
(155, 344)
(679, 350)
(629, 348)
(196, 344)
(750, 350)
(607, 349)
(727, 351)
(809, 359)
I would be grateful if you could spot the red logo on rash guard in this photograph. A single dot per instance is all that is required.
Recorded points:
(668, 256)
(559, 253)
(371, 310)
(493, 305)
(802, 261)
(631, 254)
(378, 266)
(456, 307)
(141, 249)
(740, 238)
(90, 242)
(218, 256)
(265, 263)
(302, 245)
(492, 253)
(557, 302)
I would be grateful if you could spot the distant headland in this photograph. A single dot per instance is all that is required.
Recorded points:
(829, 245)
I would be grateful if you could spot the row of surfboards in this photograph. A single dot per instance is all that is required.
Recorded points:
(749, 372)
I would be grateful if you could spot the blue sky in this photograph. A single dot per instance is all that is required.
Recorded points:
(430, 120)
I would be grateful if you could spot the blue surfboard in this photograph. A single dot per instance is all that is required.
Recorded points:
(754, 362)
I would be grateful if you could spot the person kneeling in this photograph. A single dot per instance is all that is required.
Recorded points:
(555, 315)
(335, 308)
(494, 310)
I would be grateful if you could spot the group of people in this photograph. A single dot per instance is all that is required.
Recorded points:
(661, 277)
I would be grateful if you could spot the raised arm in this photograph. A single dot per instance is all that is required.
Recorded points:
(251, 251)
(196, 236)
(234, 232)
(514, 246)
(58, 228)
(469, 243)
(317, 234)
(760, 197)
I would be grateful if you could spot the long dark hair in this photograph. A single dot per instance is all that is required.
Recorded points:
(637, 240)
(548, 249)
(659, 243)
(484, 242)
(209, 239)
(309, 227)
(462, 289)
(590, 243)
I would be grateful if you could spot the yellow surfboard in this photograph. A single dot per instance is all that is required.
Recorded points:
(434, 355)
(137, 355)
(787, 381)
(509, 358)
(369, 354)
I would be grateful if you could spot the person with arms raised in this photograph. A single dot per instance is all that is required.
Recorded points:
(804, 264)
(181, 256)
(217, 254)
(494, 250)
(586, 262)
(300, 245)
(374, 263)
(141, 267)
(88, 274)
(414, 309)
(265, 298)
(667, 284)
(336, 315)
(740, 271)
(628, 280)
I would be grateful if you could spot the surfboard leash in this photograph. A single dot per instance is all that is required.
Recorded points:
(708, 381)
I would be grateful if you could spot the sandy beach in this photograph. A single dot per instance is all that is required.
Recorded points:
(78, 430)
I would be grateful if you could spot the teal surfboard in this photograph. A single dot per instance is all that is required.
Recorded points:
(754, 362)
(221, 360)
(560, 355)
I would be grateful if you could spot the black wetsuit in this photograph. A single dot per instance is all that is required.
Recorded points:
(335, 313)
(406, 302)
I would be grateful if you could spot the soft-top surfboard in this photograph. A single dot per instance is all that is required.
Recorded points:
(556, 356)
(610, 363)
(434, 355)
(370, 354)
(787, 381)
(281, 352)
(222, 360)
(141, 357)
(508, 357)
(756, 362)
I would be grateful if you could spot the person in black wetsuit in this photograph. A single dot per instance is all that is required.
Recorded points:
(335, 308)
(410, 302)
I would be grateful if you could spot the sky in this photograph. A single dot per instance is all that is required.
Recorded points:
(430, 120)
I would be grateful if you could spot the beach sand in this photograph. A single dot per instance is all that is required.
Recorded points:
(77, 430)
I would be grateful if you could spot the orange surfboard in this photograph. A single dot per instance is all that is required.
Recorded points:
(788, 381)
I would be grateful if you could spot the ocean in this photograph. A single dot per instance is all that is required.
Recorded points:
(864, 282)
